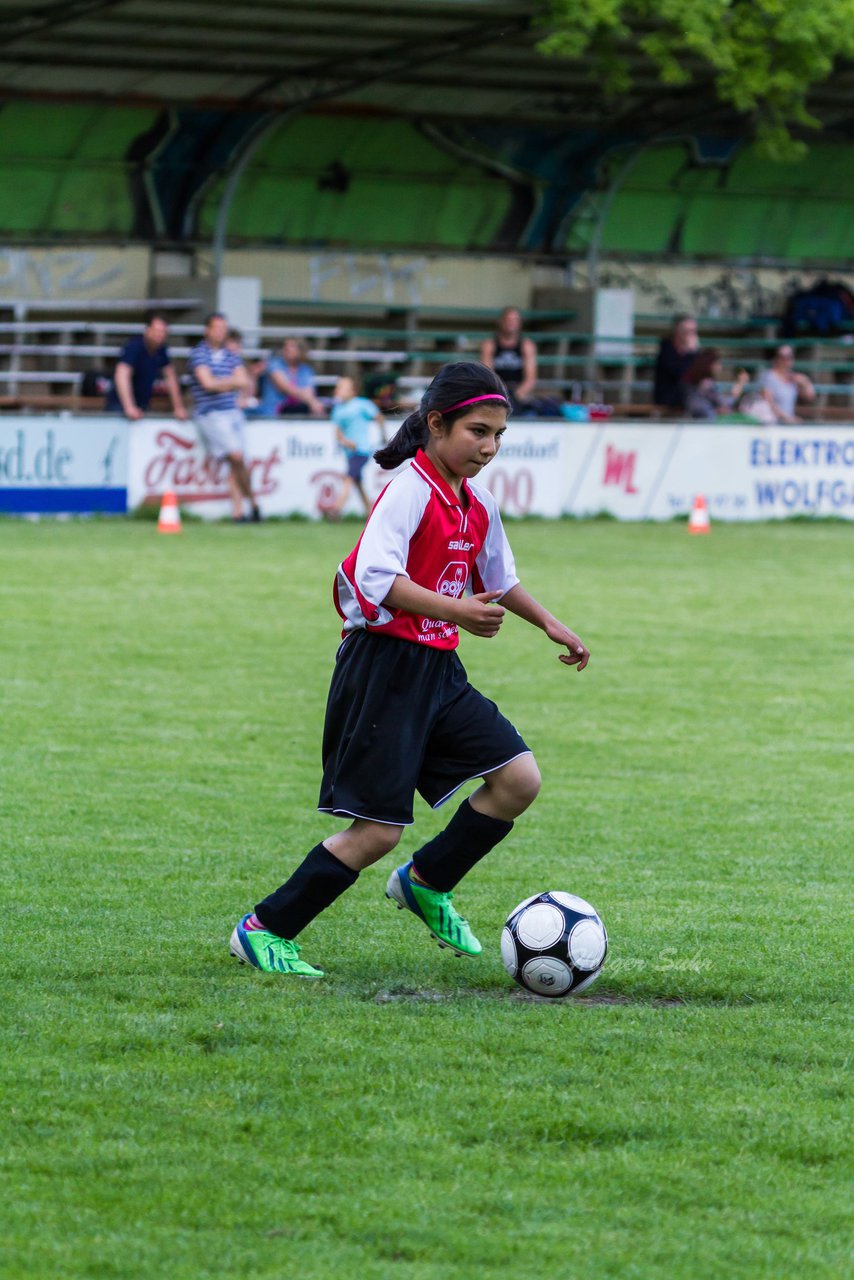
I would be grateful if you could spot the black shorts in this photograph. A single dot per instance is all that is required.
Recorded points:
(401, 718)
(356, 463)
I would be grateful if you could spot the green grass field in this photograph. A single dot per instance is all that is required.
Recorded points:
(168, 1113)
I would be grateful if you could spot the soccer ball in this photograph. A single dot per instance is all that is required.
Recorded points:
(554, 944)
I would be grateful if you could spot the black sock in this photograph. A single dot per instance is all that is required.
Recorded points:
(467, 838)
(317, 882)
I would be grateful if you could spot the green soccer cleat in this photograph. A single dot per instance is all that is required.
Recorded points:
(437, 911)
(268, 952)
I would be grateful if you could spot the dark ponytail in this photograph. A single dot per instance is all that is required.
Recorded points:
(411, 435)
(453, 384)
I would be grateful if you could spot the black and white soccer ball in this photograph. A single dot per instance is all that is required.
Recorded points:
(554, 944)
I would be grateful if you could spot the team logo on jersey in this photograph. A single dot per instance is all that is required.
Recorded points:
(453, 579)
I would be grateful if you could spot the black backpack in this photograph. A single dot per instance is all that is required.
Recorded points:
(95, 382)
(822, 311)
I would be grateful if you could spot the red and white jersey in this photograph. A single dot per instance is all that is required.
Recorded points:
(420, 529)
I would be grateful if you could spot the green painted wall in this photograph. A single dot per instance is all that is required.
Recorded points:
(750, 208)
(62, 170)
(403, 190)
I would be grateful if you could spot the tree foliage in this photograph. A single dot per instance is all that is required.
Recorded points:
(764, 55)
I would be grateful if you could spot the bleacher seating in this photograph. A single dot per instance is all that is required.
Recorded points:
(42, 362)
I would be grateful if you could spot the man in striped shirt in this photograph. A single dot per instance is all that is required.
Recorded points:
(218, 376)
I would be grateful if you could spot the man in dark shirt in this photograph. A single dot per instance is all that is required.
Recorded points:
(143, 362)
(675, 357)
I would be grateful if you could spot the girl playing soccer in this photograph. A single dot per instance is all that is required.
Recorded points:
(401, 716)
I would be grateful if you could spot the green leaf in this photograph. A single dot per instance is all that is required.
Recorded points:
(765, 55)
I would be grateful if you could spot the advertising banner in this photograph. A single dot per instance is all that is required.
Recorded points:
(535, 465)
(59, 465)
(764, 473)
(655, 471)
(297, 468)
(544, 468)
(620, 468)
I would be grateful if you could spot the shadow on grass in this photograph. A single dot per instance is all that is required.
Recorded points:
(427, 995)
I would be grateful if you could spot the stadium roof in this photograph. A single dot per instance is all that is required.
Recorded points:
(170, 99)
(430, 58)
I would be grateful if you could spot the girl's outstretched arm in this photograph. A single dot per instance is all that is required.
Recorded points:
(520, 602)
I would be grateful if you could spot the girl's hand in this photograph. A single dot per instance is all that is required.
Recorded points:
(477, 615)
(578, 654)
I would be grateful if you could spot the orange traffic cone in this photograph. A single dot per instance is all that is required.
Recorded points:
(698, 521)
(170, 516)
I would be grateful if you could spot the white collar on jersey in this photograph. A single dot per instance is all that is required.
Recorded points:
(425, 468)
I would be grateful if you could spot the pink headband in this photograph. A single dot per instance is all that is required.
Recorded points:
(490, 395)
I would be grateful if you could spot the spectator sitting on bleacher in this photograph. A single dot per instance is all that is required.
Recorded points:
(514, 358)
(704, 398)
(143, 363)
(675, 356)
(782, 387)
(286, 384)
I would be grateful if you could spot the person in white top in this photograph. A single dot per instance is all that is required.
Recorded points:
(783, 388)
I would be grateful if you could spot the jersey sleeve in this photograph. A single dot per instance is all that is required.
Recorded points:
(129, 353)
(367, 575)
(495, 567)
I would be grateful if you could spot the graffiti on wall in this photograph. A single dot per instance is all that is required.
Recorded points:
(72, 273)
(394, 279)
(372, 277)
(707, 291)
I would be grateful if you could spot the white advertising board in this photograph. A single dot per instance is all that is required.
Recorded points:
(654, 471)
(750, 473)
(296, 466)
(532, 470)
(620, 468)
(58, 465)
(745, 473)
